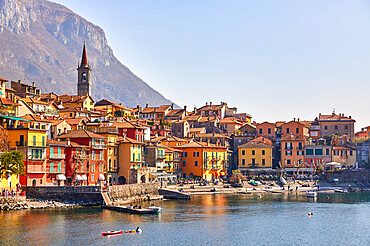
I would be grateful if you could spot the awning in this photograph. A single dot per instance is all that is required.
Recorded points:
(61, 177)
(84, 177)
(78, 178)
(101, 177)
(12, 118)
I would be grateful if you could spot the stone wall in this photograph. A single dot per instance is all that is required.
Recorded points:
(124, 192)
(347, 175)
(83, 195)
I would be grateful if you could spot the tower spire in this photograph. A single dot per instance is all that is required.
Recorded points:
(84, 57)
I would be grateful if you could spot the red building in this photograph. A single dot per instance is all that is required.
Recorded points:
(97, 146)
(130, 130)
(55, 163)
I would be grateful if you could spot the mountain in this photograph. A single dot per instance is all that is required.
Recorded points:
(42, 42)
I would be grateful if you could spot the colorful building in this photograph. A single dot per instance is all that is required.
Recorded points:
(55, 163)
(203, 160)
(332, 124)
(292, 151)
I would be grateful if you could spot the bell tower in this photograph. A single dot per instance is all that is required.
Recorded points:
(84, 78)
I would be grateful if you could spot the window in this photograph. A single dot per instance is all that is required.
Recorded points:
(51, 167)
(93, 155)
(59, 167)
(260, 130)
(133, 156)
(300, 146)
(43, 140)
(327, 151)
(288, 152)
(288, 162)
(318, 152)
(243, 152)
(336, 127)
(253, 161)
(297, 130)
(287, 130)
(263, 152)
(243, 162)
(184, 154)
(195, 154)
(51, 152)
(263, 162)
(34, 140)
(196, 163)
(309, 151)
(269, 131)
(184, 163)
(253, 152)
(346, 127)
(350, 153)
(101, 155)
(92, 177)
(326, 127)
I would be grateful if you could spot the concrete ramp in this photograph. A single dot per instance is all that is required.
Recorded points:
(106, 199)
(173, 194)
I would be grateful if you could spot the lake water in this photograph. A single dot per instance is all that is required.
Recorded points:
(273, 219)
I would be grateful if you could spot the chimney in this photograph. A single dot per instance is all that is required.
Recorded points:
(185, 108)
(207, 142)
(350, 117)
(293, 119)
(195, 110)
(146, 105)
(171, 105)
(298, 119)
(68, 141)
(206, 103)
(19, 81)
(210, 103)
(33, 83)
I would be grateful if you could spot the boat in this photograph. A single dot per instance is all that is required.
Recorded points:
(311, 193)
(148, 210)
(108, 233)
(341, 190)
(283, 181)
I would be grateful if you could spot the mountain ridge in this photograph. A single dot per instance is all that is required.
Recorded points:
(42, 42)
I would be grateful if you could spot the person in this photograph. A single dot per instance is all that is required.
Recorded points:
(288, 187)
(138, 230)
(296, 188)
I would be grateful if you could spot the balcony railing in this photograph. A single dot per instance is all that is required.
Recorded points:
(112, 169)
(37, 157)
(81, 157)
(138, 160)
(253, 165)
(58, 156)
(57, 171)
(37, 143)
(161, 156)
(20, 143)
(36, 168)
(99, 146)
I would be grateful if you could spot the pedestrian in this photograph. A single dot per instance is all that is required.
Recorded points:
(296, 188)
(288, 187)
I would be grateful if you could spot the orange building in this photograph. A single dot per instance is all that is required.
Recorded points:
(292, 151)
(267, 130)
(203, 160)
(294, 127)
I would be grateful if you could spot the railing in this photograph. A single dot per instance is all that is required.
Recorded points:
(81, 157)
(36, 168)
(253, 165)
(37, 157)
(112, 169)
(56, 170)
(58, 156)
(20, 144)
(138, 161)
(99, 146)
(161, 156)
(37, 143)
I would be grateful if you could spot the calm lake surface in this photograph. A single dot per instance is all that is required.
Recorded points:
(273, 219)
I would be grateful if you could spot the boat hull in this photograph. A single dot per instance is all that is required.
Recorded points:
(112, 233)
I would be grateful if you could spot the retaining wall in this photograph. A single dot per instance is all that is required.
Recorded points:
(124, 192)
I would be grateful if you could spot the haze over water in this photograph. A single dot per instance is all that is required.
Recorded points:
(273, 219)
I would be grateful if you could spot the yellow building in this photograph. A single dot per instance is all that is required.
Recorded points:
(113, 108)
(32, 143)
(203, 160)
(77, 101)
(170, 141)
(254, 155)
(130, 157)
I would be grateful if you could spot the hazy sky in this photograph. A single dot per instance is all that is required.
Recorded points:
(272, 59)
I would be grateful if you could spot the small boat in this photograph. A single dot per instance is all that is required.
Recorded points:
(311, 193)
(283, 181)
(108, 233)
(148, 210)
(341, 190)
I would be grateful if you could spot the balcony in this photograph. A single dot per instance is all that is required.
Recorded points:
(161, 156)
(57, 156)
(81, 157)
(253, 165)
(20, 143)
(138, 160)
(113, 169)
(56, 170)
(99, 146)
(37, 143)
(36, 158)
(31, 168)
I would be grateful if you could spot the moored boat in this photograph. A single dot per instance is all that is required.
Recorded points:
(311, 193)
(341, 190)
(108, 233)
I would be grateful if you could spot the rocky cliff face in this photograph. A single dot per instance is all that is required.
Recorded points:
(42, 42)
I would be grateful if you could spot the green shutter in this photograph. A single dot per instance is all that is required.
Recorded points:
(51, 168)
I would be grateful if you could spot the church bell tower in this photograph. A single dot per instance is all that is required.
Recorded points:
(84, 78)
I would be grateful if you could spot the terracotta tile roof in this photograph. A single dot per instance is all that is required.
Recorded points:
(175, 112)
(211, 107)
(171, 150)
(231, 120)
(7, 102)
(163, 108)
(197, 129)
(37, 118)
(212, 135)
(31, 100)
(196, 144)
(192, 118)
(263, 140)
(279, 123)
(255, 145)
(334, 117)
(267, 123)
(56, 122)
(73, 98)
(76, 121)
(127, 125)
(78, 110)
(80, 134)
(129, 140)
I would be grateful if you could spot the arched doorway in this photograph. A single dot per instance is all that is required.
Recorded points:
(122, 180)
(34, 182)
(142, 179)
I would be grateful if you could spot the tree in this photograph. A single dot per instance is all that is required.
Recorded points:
(11, 163)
